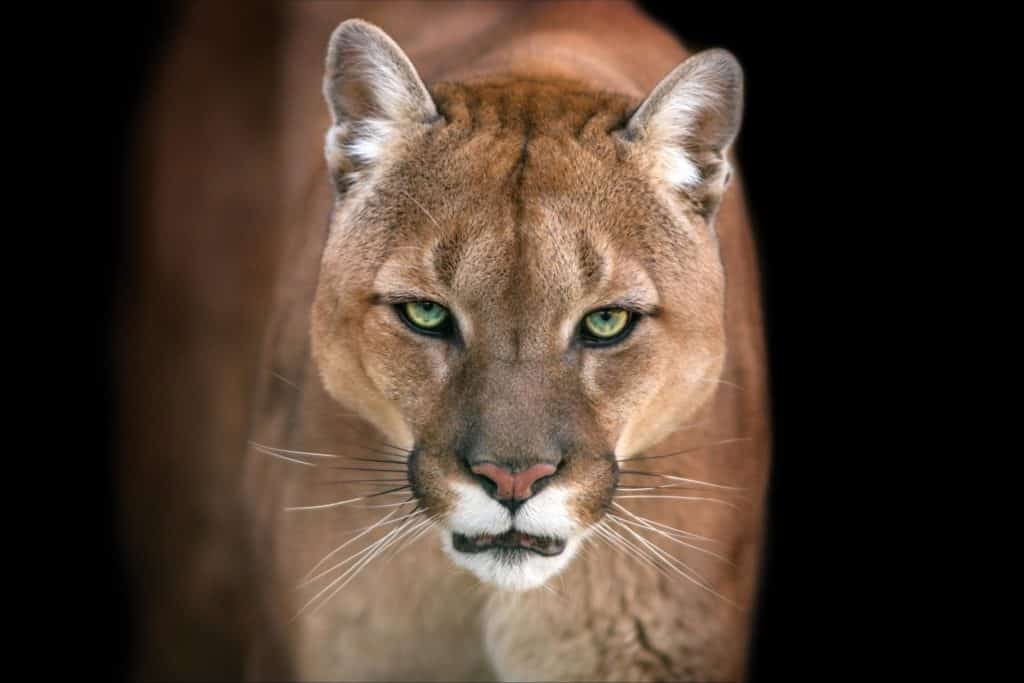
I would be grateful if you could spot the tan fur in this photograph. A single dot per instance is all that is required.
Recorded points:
(522, 202)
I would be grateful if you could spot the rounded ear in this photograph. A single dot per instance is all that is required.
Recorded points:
(372, 91)
(688, 123)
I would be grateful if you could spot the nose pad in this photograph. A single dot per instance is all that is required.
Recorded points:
(513, 488)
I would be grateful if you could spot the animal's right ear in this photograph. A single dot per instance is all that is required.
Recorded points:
(373, 93)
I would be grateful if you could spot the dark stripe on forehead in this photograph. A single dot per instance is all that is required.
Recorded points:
(446, 257)
(519, 209)
(591, 262)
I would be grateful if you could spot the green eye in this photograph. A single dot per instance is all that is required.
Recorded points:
(606, 323)
(426, 315)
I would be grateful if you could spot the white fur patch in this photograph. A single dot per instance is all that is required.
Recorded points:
(673, 124)
(677, 168)
(546, 514)
(366, 143)
(477, 513)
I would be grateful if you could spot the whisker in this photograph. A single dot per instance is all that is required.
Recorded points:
(310, 578)
(376, 460)
(682, 479)
(721, 381)
(346, 502)
(365, 469)
(326, 505)
(615, 540)
(676, 487)
(382, 521)
(685, 451)
(703, 583)
(694, 498)
(352, 572)
(658, 553)
(308, 454)
(285, 379)
(363, 481)
(388, 505)
(393, 491)
(658, 487)
(415, 535)
(312, 454)
(681, 532)
(674, 540)
(397, 448)
(369, 553)
(284, 457)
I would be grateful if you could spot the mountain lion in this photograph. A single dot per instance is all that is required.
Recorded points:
(513, 422)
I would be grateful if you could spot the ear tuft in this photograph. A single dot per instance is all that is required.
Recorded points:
(372, 91)
(689, 121)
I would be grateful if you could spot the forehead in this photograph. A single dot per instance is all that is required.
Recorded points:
(523, 189)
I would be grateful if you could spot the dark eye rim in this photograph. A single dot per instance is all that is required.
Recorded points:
(592, 341)
(445, 329)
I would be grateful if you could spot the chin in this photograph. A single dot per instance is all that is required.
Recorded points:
(513, 552)
(511, 569)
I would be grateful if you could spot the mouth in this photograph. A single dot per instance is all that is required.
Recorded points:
(512, 540)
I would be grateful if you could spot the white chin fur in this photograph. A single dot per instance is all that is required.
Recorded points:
(546, 514)
(527, 570)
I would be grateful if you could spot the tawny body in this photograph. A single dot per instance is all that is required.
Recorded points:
(415, 616)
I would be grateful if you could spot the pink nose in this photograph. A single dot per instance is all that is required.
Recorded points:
(513, 485)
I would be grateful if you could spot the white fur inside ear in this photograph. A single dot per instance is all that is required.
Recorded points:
(365, 144)
(678, 169)
(673, 124)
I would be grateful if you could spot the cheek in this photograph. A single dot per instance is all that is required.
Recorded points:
(408, 371)
(617, 384)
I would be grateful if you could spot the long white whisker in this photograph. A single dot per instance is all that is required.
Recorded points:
(415, 534)
(383, 521)
(720, 381)
(375, 507)
(685, 451)
(285, 379)
(402, 492)
(615, 540)
(704, 483)
(672, 561)
(374, 549)
(350, 558)
(283, 457)
(392, 457)
(694, 498)
(325, 505)
(356, 569)
(308, 454)
(674, 539)
(671, 529)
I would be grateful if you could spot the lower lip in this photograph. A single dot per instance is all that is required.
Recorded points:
(511, 541)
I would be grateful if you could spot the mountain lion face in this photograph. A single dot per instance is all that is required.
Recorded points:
(521, 286)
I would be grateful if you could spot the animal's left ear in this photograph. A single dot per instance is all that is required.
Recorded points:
(688, 122)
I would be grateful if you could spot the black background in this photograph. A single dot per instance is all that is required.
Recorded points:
(799, 156)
